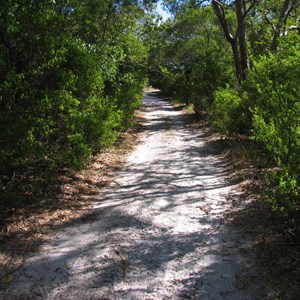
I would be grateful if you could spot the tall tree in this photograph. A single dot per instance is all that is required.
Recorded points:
(238, 37)
(288, 7)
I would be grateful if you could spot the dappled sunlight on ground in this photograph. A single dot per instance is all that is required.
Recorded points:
(159, 231)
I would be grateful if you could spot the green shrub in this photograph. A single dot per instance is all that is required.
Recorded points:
(70, 81)
(229, 111)
(274, 92)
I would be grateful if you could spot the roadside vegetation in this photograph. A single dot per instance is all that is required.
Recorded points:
(72, 74)
(238, 64)
(70, 80)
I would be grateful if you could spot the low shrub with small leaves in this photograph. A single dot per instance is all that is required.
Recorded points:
(274, 93)
(229, 112)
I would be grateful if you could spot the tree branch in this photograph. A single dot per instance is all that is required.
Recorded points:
(220, 13)
(253, 3)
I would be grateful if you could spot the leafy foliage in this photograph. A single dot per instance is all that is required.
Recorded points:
(238, 62)
(69, 82)
(274, 89)
(72, 74)
(194, 59)
(229, 111)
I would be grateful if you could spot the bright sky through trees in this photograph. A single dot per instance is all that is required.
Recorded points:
(165, 15)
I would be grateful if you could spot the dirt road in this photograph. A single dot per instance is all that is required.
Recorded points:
(158, 232)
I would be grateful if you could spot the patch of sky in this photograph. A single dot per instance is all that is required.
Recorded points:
(163, 13)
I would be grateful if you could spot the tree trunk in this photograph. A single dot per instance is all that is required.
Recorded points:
(237, 46)
(242, 38)
(287, 7)
(237, 60)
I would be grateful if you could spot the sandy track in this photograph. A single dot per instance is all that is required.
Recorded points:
(158, 232)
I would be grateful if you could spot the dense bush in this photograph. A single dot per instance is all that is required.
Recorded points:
(268, 106)
(69, 83)
(274, 91)
(229, 111)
